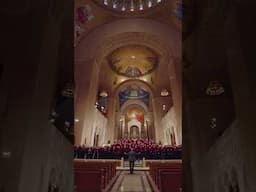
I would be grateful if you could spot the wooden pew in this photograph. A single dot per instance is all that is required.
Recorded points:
(167, 174)
(93, 175)
(169, 180)
(87, 180)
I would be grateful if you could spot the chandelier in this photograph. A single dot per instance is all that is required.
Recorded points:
(129, 5)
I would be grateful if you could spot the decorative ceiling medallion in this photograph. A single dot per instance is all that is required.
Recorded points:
(133, 61)
(84, 14)
(128, 6)
(215, 88)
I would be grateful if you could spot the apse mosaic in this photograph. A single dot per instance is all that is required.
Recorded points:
(134, 112)
(133, 92)
(133, 61)
(128, 6)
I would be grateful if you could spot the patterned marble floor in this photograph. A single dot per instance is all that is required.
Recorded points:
(136, 182)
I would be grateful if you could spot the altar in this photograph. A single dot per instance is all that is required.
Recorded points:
(134, 128)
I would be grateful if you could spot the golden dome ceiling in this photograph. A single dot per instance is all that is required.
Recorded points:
(133, 60)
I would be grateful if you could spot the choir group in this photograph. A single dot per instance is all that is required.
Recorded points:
(146, 148)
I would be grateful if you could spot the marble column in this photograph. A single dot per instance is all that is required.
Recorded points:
(175, 82)
(85, 106)
(112, 121)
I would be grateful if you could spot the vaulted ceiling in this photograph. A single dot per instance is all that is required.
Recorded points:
(134, 59)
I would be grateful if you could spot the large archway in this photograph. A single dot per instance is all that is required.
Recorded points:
(102, 42)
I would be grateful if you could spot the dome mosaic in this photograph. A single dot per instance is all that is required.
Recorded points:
(133, 61)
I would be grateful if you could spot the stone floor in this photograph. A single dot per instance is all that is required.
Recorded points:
(136, 182)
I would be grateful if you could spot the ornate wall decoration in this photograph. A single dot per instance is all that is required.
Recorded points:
(83, 15)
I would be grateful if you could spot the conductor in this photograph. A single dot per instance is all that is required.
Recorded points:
(131, 158)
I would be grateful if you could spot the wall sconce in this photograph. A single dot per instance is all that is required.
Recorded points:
(214, 88)
(164, 92)
(68, 91)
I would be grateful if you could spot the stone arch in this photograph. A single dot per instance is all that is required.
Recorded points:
(140, 83)
(136, 103)
(164, 41)
(96, 37)
(132, 81)
(153, 42)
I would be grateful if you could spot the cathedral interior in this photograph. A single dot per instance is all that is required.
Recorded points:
(83, 82)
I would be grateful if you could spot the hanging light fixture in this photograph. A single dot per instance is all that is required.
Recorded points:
(103, 93)
(164, 92)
